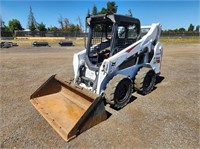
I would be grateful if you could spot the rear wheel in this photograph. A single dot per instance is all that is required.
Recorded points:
(145, 80)
(118, 91)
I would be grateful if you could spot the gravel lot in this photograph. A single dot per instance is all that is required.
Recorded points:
(166, 118)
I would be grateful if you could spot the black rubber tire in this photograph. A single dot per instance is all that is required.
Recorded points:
(118, 91)
(145, 80)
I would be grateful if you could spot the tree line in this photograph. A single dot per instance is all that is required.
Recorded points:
(64, 23)
(110, 9)
(15, 24)
(33, 25)
(67, 26)
(191, 29)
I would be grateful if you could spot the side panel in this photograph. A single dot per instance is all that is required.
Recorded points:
(78, 60)
(157, 58)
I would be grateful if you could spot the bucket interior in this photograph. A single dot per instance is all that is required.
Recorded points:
(61, 105)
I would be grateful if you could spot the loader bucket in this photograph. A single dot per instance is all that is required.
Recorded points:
(68, 108)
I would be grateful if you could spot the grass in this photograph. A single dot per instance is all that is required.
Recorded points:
(80, 41)
(50, 40)
(179, 40)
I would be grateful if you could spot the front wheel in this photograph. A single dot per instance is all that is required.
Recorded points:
(118, 91)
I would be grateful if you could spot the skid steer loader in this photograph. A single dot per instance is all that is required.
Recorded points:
(120, 57)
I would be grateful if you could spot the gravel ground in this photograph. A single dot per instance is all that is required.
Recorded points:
(166, 118)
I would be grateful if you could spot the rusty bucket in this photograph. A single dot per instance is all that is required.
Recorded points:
(68, 108)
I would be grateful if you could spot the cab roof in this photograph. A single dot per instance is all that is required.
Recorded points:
(113, 18)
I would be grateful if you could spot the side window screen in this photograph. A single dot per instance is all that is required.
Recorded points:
(144, 31)
(121, 32)
(132, 32)
(126, 35)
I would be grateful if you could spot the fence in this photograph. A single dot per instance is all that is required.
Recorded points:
(48, 34)
(183, 34)
(6, 34)
(78, 34)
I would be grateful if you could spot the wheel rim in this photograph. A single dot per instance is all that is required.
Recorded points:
(123, 92)
(148, 81)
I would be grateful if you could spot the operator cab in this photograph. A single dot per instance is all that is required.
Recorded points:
(109, 34)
